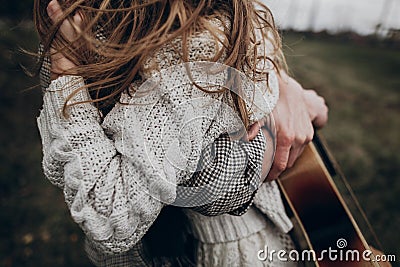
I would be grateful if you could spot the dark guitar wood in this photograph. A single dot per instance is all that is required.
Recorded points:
(321, 215)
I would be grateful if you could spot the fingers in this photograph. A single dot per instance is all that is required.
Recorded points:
(293, 123)
(298, 146)
(288, 150)
(295, 153)
(68, 28)
(253, 130)
(54, 11)
(281, 157)
(322, 118)
(295, 113)
(317, 108)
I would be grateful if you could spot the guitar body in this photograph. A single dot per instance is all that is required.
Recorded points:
(321, 215)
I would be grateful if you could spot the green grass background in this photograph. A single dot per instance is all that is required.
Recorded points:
(360, 83)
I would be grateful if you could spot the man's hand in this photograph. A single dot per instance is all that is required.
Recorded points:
(296, 114)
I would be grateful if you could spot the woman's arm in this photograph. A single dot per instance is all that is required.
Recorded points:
(106, 199)
(109, 191)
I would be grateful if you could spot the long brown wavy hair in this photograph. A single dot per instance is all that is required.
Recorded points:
(131, 30)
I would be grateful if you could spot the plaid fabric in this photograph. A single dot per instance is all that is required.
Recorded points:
(45, 73)
(228, 178)
(133, 258)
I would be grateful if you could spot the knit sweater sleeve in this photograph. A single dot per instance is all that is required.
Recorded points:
(79, 158)
(117, 175)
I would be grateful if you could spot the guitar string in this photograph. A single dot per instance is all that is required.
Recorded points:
(351, 192)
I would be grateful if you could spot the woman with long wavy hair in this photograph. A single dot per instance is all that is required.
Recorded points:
(110, 137)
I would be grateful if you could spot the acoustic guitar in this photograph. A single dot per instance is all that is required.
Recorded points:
(323, 222)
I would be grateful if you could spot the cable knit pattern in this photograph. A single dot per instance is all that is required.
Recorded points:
(244, 252)
(274, 207)
(114, 175)
(79, 157)
(115, 190)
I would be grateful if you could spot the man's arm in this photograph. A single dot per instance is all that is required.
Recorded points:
(296, 114)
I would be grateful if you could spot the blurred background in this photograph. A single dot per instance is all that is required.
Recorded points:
(347, 50)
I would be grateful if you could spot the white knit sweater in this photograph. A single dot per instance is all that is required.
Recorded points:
(117, 175)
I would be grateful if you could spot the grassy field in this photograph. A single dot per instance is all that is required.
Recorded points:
(360, 84)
